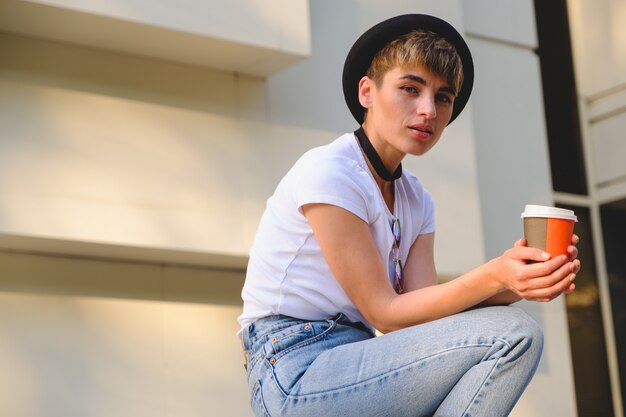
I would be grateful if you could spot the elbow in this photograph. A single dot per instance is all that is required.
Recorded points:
(380, 319)
(385, 330)
(384, 326)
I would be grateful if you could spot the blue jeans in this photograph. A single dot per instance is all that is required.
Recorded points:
(475, 363)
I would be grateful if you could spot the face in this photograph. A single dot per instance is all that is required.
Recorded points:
(407, 112)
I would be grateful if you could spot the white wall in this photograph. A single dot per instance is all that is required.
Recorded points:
(599, 41)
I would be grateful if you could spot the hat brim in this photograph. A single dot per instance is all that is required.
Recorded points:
(377, 37)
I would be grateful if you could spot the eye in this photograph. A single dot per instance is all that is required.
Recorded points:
(409, 89)
(444, 98)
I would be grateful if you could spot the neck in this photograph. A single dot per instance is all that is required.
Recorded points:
(374, 159)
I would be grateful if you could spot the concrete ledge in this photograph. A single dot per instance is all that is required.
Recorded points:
(249, 40)
(49, 246)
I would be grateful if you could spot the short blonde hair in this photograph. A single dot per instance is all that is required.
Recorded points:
(419, 47)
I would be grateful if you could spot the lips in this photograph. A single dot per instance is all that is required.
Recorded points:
(422, 130)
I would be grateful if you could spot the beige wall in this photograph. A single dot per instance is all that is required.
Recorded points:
(100, 338)
(111, 150)
(114, 147)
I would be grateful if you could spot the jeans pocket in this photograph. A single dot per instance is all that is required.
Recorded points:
(286, 354)
(293, 337)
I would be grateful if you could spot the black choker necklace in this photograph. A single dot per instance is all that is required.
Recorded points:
(374, 159)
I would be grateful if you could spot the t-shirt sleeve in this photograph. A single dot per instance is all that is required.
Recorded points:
(428, 221)
(336, 181)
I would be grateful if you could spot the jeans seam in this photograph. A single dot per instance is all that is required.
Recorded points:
(482, 385)
(508, 345)
(257, 390)
(253, 360)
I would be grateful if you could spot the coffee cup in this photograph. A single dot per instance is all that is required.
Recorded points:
(548, 228)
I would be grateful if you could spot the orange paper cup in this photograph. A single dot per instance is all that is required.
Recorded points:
(548, 228)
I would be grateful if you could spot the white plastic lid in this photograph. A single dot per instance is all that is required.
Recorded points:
(532, 210)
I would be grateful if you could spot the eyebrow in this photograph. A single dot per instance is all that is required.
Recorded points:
(422, 81)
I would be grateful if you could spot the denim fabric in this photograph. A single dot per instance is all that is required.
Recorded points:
(476, 363)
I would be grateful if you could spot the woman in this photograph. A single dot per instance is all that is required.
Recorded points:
(345, 246)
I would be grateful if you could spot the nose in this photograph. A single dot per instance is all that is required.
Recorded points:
(426, 106)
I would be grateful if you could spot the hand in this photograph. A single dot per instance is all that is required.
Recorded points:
(543, 280)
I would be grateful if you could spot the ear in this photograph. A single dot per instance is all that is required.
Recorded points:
(366, 87)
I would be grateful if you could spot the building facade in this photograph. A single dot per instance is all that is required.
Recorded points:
(140, 140)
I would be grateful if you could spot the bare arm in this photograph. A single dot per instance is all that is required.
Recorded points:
(351, 253)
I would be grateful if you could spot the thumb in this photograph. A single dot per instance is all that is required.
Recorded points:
(520, 242)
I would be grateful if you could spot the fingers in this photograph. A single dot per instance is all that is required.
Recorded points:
(548, 294)
(548, 287)
(546, 267)
(546, 278)
(524, 253)
(572, 252)
(537, 255)
(549, 273)
(570, 289)
(521, 252)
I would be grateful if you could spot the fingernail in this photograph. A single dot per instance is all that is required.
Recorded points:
(572, 277)
(545, 255)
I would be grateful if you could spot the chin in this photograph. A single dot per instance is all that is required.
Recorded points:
(420, 148)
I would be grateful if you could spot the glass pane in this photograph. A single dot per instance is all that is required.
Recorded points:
(614, 233)
(559, 97)
(591, 372)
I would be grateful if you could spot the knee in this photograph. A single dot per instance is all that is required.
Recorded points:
(524, 327)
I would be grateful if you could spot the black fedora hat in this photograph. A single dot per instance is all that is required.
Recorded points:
(377, 37)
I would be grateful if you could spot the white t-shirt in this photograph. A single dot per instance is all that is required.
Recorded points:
(287, 273)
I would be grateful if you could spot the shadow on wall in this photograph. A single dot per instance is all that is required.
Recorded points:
(64, 276)
(119, 75)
